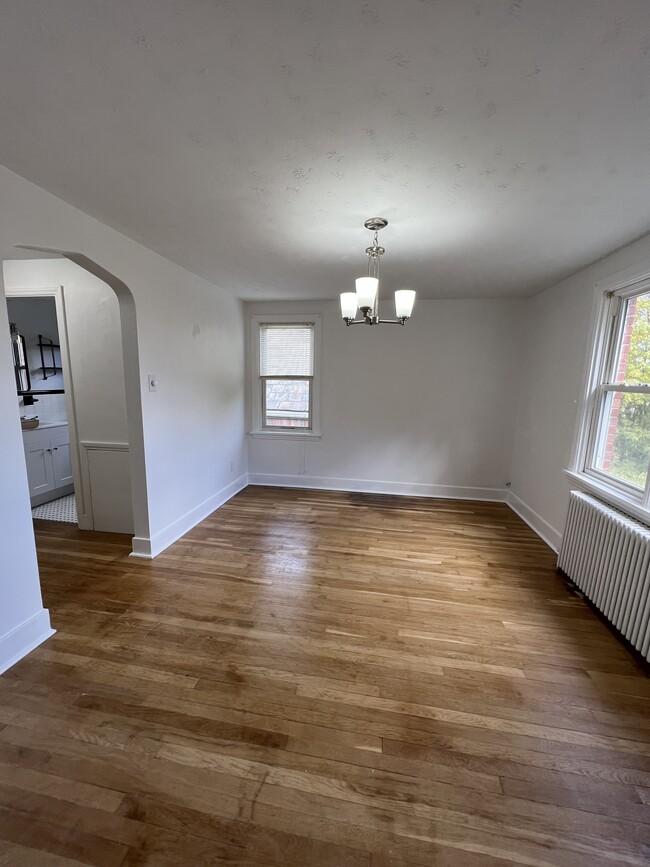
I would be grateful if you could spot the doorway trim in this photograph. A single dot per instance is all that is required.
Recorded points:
(82, 496)
(141, 542)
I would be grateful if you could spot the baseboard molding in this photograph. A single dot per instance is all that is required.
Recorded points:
(24, 638)
(93, 515)
(544, 530)
(413, 489)
(148, 548)
(141, 547)
(363, 486)
(39, 499)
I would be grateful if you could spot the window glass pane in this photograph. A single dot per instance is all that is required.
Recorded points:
(286, 402)
(633, 362)
(287, 350)
(624, 448)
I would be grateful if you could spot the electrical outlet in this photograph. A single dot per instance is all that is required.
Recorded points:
(232, 466)
(152, 379)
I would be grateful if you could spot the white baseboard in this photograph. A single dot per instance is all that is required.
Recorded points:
(363, 486)
(147, 549)
(544, 530)
(141, 547)
(63, 491)
(24, 638)
(413, 489)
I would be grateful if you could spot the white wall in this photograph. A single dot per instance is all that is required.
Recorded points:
(424, 409)
(24, 622)
(557, 345)
(194, 424)
(190, 334)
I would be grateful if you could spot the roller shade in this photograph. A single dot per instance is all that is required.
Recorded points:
(287, 350)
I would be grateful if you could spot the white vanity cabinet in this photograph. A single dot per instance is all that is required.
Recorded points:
(47, 455)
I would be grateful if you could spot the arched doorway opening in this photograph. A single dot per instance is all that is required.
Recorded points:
(130, 358)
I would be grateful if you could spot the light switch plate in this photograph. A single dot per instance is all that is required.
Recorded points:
(153, 382)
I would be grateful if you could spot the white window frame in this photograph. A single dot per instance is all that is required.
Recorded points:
(257, 428)
(610, 297)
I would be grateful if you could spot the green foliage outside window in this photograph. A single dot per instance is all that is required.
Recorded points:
(631, 452)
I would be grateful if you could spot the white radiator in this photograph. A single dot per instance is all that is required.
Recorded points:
(607, 556)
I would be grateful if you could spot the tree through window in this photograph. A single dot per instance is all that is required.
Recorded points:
(621, 445)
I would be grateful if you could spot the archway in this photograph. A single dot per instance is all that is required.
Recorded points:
(128, 321)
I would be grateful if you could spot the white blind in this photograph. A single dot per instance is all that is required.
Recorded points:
(287, 350)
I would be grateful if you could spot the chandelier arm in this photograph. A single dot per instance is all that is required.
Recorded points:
(375, 320)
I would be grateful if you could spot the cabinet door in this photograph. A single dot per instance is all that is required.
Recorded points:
(60, 444)
(61, 464)
(38, 457)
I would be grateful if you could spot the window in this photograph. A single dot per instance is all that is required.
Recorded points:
(616, 436)
(285, 387)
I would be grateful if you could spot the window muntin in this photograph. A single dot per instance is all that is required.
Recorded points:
(619, 445)
(286, 373)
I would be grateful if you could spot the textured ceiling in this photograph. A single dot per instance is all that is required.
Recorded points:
(506, 141)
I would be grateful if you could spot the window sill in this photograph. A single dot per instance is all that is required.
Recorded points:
(610, 495)
(284, 435)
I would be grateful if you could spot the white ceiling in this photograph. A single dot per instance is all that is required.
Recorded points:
(506, 141)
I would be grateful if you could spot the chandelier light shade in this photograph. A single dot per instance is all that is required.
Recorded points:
(366, 291)
(349, 305)
(404, 300)
(366, 298)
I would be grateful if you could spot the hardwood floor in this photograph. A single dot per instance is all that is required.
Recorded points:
(315, 678)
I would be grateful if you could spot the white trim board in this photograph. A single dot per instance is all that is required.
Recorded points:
(544, 530)
(147, 549)
(364, 486)
(604, 336)
(58, 293)
(87, 447)
(24, 638)
(255, 321)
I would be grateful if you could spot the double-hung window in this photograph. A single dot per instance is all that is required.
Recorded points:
(285, 398)
(616, 438)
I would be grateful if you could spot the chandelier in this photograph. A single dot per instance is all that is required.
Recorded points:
(366, 298)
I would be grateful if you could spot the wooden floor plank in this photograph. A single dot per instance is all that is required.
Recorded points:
(326, 679)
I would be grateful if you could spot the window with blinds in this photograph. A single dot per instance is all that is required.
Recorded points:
(286, 375)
